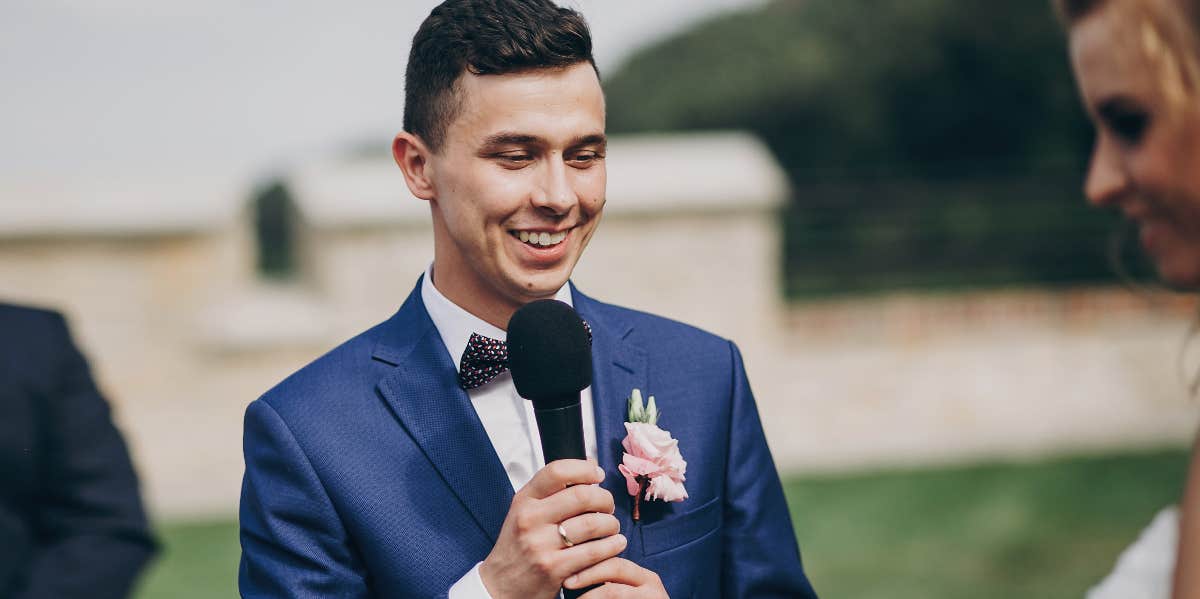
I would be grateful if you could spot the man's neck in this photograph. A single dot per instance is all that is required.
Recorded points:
(494, 310)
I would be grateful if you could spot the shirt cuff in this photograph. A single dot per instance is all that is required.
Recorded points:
(470, 586)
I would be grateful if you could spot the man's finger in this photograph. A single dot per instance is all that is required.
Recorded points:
(586, 555)
(585, 527)
(560, 474)
(611, 590)
(580, 499)
(616, 570)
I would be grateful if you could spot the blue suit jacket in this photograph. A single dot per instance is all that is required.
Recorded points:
(368, 473)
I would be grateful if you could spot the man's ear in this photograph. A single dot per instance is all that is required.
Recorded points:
(412, 156)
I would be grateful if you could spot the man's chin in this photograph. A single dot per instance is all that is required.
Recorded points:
(540, 286)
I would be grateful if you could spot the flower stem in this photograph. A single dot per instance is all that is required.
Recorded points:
(643, 482)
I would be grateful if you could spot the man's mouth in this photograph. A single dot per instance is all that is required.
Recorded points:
(539, 238)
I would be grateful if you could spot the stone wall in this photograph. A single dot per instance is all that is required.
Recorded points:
(183, 334)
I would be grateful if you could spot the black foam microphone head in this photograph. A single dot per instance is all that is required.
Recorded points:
(549, 354)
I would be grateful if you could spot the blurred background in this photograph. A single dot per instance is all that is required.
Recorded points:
(967, 384)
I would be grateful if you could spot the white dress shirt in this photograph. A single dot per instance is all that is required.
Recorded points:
(506, 416)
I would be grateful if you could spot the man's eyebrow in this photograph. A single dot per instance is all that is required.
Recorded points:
(595, 139)
(506, 138)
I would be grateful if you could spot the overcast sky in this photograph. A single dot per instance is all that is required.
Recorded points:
(230, 87)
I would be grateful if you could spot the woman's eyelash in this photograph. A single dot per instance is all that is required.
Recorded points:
(1129, 126)
(1128, 122)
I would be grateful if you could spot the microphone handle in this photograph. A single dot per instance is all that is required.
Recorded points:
(561, 430)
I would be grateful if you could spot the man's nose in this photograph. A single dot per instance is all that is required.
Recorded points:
(554, 193)
(1106, 180)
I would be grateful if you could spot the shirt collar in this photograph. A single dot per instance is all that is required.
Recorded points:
(455, 324)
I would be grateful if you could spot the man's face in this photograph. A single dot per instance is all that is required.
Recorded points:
(518, 186)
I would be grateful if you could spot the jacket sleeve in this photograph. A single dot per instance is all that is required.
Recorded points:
(293, 542)
(92, 535)
(761, 558)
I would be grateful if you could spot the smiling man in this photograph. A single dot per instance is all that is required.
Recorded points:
(394, 467)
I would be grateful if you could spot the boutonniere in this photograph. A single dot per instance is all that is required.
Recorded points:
(652, 464)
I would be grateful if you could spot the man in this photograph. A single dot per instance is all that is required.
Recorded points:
(71, 521)
(373, 472)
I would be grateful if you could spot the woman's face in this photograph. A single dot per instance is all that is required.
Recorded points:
(1146, 159)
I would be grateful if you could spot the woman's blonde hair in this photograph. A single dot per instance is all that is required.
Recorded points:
(1167, 36)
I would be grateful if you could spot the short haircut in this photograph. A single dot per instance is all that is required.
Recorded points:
(484, 37)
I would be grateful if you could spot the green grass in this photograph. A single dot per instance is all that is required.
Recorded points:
(198, 561)
(1048, 529)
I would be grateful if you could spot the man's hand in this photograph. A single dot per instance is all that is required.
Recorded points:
(623, 578)
(530, 559)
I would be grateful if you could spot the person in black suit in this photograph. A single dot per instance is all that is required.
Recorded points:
(71, 520)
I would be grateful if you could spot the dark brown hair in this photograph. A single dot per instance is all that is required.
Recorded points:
(484, 37)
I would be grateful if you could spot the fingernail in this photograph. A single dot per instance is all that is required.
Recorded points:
(572, 581)
(624, 541)
(600, 472)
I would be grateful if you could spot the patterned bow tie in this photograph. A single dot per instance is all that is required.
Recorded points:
(485, 358)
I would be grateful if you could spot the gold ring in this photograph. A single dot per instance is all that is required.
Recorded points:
(562, 534)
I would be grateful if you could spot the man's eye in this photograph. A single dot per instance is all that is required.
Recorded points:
(515, 158)
(585, 158)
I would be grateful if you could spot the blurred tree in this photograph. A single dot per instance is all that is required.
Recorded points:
(274, 213)
(931, 142)
(836, 87)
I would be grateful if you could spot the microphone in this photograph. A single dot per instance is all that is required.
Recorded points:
(550, 359)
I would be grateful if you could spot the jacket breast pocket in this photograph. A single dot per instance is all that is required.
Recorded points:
(680, 530)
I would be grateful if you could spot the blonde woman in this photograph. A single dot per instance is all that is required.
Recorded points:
(1137, 63)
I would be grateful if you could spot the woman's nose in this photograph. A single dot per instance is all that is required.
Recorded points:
(1106, 180)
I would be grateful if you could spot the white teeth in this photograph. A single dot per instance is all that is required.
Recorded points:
(541, 239)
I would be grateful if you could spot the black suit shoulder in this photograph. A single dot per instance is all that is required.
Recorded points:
(30, 334)
(75, 526)
(30, 316)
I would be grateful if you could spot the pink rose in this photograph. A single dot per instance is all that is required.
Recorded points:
(652, 458)
(666, 488)
(633, 467)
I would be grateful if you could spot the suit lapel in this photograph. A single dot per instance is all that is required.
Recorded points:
(424, 394)
(618, 366)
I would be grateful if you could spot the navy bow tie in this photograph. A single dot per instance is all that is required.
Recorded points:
(486, 358)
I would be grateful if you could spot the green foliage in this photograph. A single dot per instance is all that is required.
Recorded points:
(936, 234)
(931, 142)
(929, 87)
